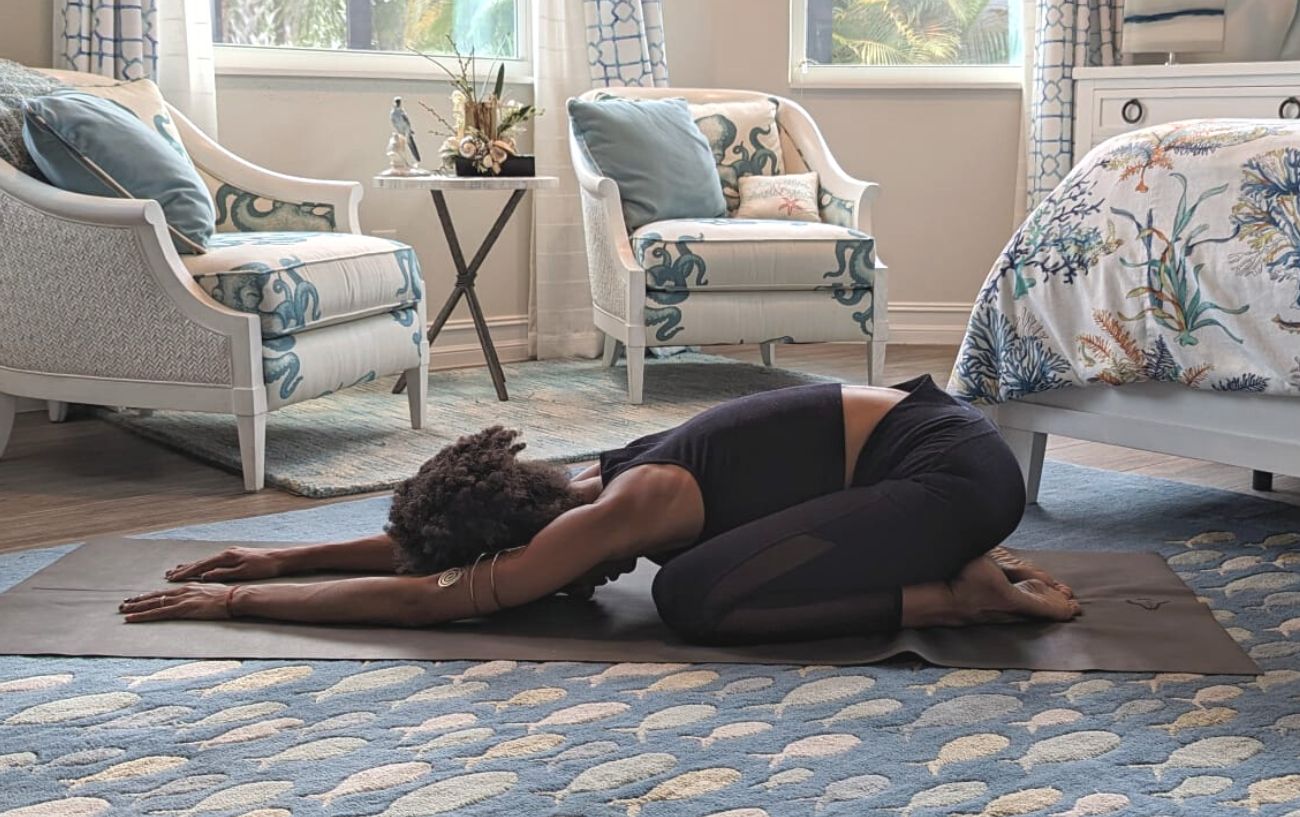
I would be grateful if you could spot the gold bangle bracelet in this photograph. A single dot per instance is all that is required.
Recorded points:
(473, 573)
(492, 579)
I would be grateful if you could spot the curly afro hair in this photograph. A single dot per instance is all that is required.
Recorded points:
(474, 497)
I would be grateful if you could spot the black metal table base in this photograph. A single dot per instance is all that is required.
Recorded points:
(464, 287)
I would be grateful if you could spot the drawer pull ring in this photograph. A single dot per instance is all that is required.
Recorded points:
(1289, 109)
(1133, 111)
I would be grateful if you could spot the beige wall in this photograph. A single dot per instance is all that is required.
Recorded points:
(26, 31)
(945, 158)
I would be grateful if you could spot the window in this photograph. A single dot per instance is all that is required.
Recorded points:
(907, 42)
(363, 37)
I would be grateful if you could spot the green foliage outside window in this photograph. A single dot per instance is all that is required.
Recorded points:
(922, 32)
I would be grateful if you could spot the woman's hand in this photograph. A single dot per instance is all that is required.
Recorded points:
(193, 601)
(231, 564)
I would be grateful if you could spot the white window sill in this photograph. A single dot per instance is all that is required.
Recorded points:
(257, 61)
(922, 77)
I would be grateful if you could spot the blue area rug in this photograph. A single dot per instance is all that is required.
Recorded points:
(274, 739)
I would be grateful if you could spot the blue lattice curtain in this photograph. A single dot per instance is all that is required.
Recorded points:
(625, 42)
(116, 38)
(1068, 34)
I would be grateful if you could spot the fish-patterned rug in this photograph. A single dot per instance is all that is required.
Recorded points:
(89, 737)
(360, 439)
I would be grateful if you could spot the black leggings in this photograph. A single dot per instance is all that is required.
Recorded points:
(837, 564)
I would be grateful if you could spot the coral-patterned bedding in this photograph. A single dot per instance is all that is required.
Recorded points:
(1170, 253)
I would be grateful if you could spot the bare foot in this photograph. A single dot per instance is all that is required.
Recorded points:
(984, 594)
(1019, 569)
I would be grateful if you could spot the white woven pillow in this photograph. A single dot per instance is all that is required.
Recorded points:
(790, 198)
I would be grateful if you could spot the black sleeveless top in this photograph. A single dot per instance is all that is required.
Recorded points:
(751, 456)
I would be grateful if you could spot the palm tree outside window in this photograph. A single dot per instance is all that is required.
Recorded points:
(913, 32)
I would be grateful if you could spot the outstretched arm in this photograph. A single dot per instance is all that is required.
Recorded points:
(372, 554)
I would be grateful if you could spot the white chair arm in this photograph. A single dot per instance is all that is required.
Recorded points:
(846, 201)
(305, 204)
(617, 279)
(93, 287)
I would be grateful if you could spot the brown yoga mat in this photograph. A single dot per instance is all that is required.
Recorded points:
(1138, 617)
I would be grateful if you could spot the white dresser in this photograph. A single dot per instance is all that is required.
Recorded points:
(1113, 100)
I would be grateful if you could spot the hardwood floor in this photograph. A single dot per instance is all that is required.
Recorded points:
(64, 482)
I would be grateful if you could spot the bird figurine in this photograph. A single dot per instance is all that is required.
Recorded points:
(402, 125)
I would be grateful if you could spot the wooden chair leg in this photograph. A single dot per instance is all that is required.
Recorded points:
(417, 393)
(768, 352)
(612, 350)
(875, 363)
(57, 410)
(8, 411)
(252, 450)
(1029, 448)
(635, 374)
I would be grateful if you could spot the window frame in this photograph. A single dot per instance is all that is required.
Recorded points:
(806, 74)
(343, 63)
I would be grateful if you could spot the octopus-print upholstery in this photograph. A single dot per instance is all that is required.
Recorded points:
(733, 280)
(289, 303)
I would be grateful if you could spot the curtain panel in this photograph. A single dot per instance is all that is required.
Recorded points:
(115, 38)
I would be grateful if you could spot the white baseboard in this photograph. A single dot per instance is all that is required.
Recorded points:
(457, 344)
(928, 322)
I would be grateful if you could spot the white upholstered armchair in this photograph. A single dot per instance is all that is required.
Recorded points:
(289, 303)
(734, 280)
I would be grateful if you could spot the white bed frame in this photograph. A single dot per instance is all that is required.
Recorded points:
(1256, 431)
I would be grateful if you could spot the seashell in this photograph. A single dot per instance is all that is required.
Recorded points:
(1271, 791)
(789, 777)
(617, 773)
(1199, 786)
(1217, 694)
(488, 669)
(1288, 560)
(804, 672)
(1260, 583)
(88, 756)
(678, 682)
(682, 787)
(968, 748)
(1283, 725)
(519, 747)
(1085, 688)
(585, 751)
(17, 760)
(945, 795)
(632, 670)
(965, 710)
(1071, 746)
(1287, 628)
(1240, 634)
(315, 750)
(825, 690)
(140, 767)
(369, 681)
(184, 672)
(71, 709)
(581, 713)
(158, 716)
(1239, 563)
(1198, 718)
(1273, 649)
(438, 723)
(858, 787)
(731, 731)
(1279, 540)
(873, 708)
(459, 738)
(243, 712)
(1207, 753)
(812, 746)
(183, 785)
(1193, 558)
(347, 720)
(251, 732)
(241, 796)
(1025, 801)
(444, 692)
(531, 697)
(1223, 616)
(1050, 717)
(1048, 677)
(376, 779)
(670, 718)
(744, 685)
(1290, 598)
(1213, 537)
(1158, 680)
(452, 794)
(35, 683)
(68, 807)
(262, 679)
(1099, 803)
(960, 679)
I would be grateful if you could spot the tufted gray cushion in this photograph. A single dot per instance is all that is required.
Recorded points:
(18, 82)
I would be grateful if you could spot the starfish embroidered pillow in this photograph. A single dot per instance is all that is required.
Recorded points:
(788, 198)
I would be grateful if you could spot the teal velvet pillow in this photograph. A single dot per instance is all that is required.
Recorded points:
(95, 146)
(656, 154)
